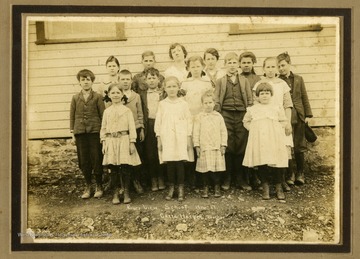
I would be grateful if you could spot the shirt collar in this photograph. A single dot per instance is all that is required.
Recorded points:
(291, 75)
(234, 74)
(152, 90)
(86, 93)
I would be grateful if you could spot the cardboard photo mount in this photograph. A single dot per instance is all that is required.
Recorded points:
(18, 72)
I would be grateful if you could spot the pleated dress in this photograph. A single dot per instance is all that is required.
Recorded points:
(117, 131)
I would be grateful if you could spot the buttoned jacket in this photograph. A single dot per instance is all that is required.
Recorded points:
(300, 98)
(220, 90)
(86, 116)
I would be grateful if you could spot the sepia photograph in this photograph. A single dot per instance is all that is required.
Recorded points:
(187, 129)
(180, 200)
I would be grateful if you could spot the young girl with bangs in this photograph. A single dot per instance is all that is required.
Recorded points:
(118, 136)
(210, 141)
(282, 98)
(266, 147)
(194, 87)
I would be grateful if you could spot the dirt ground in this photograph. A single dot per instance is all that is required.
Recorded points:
(56, 211)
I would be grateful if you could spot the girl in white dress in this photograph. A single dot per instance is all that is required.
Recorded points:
(281, 97)
(118, 136)
(173, 129)
(266, 147)
(210, 141)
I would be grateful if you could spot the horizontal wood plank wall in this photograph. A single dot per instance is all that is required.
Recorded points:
(52, 68)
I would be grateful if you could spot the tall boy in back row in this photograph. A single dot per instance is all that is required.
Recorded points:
(232, 96)
(139, 80)
(301, 112)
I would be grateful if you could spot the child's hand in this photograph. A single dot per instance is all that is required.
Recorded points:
(132, 148)
(103, 147)
(159, 144)
(73, 139)
(288, 129)
(198, 151)
(142, 135)
(222, 150)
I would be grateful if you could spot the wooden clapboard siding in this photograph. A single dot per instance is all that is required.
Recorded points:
(52, 68)
(40, 90)
(314, 86)
(50, 98)
(49, 107)
(48, 133)
(43, 116)
(128, 53)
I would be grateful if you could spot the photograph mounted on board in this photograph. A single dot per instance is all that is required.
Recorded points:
(186, 129)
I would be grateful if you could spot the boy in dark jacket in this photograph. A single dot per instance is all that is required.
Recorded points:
(300, 115)
(86, 111)
(232, 96)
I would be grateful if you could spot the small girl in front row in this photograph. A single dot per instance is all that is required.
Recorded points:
(210, 141)
(266, 147)
(173, 129)
(118, 136)
(194, 87)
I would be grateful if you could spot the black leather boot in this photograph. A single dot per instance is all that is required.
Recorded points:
(284, 185)
(299, 176)
(300, 179)
(265, 191)
(181, 192)
(279, 192)
(116, 199)
(87, 192)
(217, 193)
(126, 178)
(242, 180)
(161, 183)
(205, 192)
(154, 184)
(226, 185)
(290, 173)
(170, 194)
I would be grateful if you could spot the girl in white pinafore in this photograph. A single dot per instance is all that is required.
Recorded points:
(281, 97)
(173, 128)
(266, 146)
(118, 136)
(210, 141)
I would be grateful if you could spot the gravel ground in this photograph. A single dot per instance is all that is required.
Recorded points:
(56, 211)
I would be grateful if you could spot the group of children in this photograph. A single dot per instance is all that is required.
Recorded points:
(198, 123)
